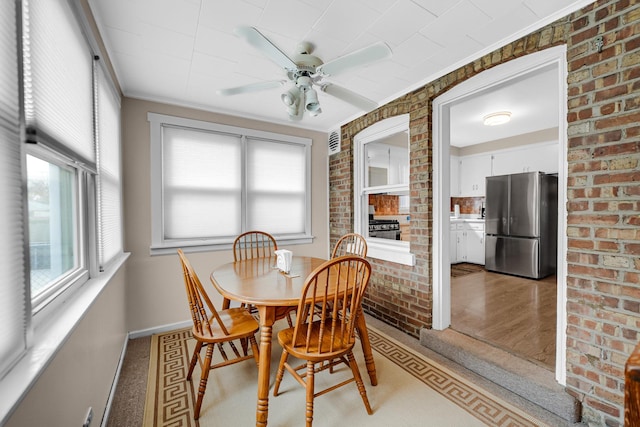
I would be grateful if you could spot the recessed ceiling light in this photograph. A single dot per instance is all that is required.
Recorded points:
(497, 118)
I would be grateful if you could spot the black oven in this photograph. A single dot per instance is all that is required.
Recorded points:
(384, 229)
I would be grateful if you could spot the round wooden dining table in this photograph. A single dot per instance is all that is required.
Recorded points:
(258, 282)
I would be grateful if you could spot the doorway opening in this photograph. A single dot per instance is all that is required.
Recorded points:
(444, 108)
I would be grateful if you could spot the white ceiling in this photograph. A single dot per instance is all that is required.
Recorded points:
(532, 100)
(182, 51)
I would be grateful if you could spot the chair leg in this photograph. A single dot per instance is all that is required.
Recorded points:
(245, 346)
(254, 349)
(280, 373)
(289, 320)
(310, 380)
(204, 376)
(360, 384)
(194, 359)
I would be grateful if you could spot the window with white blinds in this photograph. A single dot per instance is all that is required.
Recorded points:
(201, 196)
(72, 122)
(58, 80)
(276, 187)
(211, 182)
(13, 296)
(109, 169)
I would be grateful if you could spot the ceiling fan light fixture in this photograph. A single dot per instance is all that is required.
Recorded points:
(497, 118)
(291, 97)
(311, 102)
(315, 112)
(294, 110)
(305, 70)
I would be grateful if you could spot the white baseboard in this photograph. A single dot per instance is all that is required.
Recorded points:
(158, 329)
(114, 384)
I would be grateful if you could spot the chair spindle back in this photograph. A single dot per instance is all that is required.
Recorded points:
(350, 244)
(254, 244)
(199, 301)
(332, 293)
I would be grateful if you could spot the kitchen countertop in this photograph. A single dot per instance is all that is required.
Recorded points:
(470, 218)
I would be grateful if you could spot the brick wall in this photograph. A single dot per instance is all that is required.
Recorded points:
(603, 282)
(603, 193)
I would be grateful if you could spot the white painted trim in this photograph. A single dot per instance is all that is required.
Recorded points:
(562, 266)
(398, 255)
(160, 246)
(159, 329)
(388, 250)
(441, 265)
(114, 384)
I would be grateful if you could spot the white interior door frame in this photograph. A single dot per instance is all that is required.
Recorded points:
(441, 192)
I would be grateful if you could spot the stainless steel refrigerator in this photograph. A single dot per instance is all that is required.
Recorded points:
(521, 222)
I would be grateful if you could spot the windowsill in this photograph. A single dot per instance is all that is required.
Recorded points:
(397, 254)
(170, 249)
(47, 340)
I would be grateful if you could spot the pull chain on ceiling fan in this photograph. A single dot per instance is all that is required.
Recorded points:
(305, 71)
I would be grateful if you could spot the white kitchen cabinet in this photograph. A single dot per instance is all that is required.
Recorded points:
(454, 174)
(398, 165)
(529, 158)
(473, 171)
(387, 165)
(456, 243)
(466, 242)
(474, 242)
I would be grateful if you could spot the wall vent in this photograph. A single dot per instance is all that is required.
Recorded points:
(334, 142)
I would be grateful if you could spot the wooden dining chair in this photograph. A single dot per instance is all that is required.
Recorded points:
(336, 287)
(254, 244)
(350, 244)
(257, 244)
(213, 328)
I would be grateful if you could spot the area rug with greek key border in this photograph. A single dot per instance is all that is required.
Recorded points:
(412, 391)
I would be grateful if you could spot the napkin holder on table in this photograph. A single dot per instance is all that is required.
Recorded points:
(283, 260)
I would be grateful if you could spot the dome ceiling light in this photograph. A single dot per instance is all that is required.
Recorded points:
(497, 118)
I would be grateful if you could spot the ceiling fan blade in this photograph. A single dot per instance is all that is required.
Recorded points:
(350, 97)
(253, 87)
(256, 39)
(361, 57)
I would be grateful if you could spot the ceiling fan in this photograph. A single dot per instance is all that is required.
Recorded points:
(305, 71)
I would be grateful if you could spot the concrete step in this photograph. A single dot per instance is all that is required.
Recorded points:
(524, 378)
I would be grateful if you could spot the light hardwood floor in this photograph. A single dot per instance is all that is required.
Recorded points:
(512, 313)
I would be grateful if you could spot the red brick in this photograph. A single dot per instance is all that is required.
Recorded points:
(632, 249)
(632, 277)
(617, 121)
(617, 149)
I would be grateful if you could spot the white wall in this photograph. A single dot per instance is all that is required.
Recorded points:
(81, 374)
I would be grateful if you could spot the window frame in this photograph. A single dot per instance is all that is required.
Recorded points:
(83, 229)
(384, 249)
(160, 245)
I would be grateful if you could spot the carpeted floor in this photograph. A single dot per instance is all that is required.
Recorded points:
(128, 402)
(412, 391)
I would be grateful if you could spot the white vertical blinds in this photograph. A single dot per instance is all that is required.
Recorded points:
(13, 298)
(109, 169)
(58, 76)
